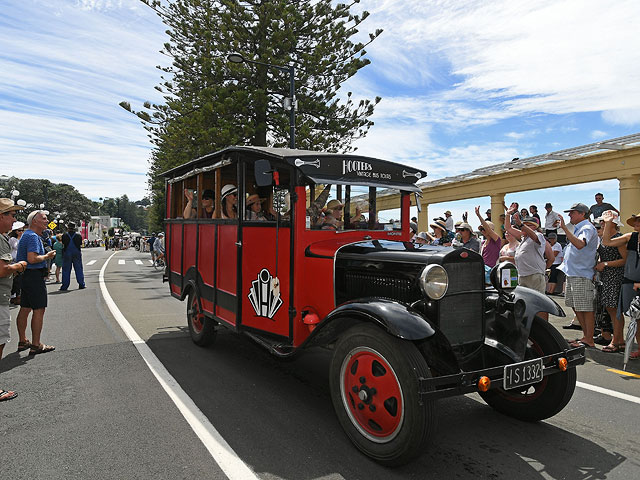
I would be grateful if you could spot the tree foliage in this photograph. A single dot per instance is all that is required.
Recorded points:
(210, 103)
(60, 199)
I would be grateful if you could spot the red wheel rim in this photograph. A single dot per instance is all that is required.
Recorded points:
(372, 395)
(197, 317)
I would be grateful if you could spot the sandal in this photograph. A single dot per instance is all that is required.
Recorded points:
(24, 345)
(41, 349)
(7, 395)
(580, 343)
(611, 348)
(635, 355)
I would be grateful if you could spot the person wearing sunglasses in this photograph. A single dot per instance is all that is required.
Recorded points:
(7, 270)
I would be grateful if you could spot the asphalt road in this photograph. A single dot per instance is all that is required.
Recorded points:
(93, 409)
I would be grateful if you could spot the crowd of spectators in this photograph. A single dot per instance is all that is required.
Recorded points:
(584, 258)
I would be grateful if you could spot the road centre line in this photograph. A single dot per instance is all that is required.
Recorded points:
(611, 393)
(622, 372)
(217, 446)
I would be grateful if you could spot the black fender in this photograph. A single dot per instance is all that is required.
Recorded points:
(509, 317)
(395, 318)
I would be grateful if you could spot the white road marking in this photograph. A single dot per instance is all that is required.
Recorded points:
(120, 262)
(150, 261)
(611, 393)
(217, 446)
(138, 262)
(91, 262)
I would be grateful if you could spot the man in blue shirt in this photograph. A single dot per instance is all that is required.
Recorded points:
(34, 289)
(578, 264)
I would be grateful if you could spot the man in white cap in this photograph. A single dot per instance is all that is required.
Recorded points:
(578, 264)
(34, 289)
(7, 270)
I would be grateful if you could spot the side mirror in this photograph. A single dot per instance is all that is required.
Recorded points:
(264, 173)
(504, 276)
(418, 196)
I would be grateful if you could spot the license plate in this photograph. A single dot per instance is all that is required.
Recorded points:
(523, 373)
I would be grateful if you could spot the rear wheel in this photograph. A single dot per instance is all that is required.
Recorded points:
(374, 389)
(546, 398)
(202, 329)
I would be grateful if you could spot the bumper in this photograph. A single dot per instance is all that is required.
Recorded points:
(467, 382)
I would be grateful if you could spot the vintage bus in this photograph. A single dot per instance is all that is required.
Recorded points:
(297, 248)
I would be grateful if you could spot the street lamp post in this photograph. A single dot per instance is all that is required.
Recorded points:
(288, 103)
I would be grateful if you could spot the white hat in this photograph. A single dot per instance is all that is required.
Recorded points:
(615, 220)
(228, 190)
(17, 226)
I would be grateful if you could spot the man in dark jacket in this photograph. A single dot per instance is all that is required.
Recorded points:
(71, 255)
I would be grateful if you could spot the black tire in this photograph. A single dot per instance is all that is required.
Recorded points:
(546, 398)
(158, 264)
(391, 426)
(202, 328)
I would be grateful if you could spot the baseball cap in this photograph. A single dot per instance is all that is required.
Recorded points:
(578, 207)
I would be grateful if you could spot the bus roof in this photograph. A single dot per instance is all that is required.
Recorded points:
(320, 167)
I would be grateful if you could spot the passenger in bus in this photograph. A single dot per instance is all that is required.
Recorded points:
(333, 216)
(254, 208)
(229, 201)
(207, 204)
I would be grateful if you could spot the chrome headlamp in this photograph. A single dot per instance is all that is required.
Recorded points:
(434, 281)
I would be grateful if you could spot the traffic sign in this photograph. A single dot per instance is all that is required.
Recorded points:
(52, 225)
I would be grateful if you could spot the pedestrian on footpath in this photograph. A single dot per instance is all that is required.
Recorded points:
(58, 246)
(7, 270)
(578, 265)
(72, 256)
(630, 287)
(34, 289)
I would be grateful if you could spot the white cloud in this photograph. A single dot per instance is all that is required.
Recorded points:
(548, 56)
(598, 134)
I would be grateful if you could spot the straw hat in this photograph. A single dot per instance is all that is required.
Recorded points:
(631, 221)
(7, 205)
(439, 224)
(333, 204)
(255, 198)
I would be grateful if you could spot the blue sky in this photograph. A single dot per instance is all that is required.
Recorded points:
(464, 84)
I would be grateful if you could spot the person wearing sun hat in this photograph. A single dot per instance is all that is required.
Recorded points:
(7, 269)
(631, 278)
(229, 200)
(530, 253)
(578, 265)
(449, 220)
(441, 236)
(254, 208)
(333, 215)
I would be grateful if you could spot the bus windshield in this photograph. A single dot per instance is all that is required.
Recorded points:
(353, 207)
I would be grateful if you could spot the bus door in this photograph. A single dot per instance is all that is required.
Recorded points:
(226, 299)
(265, 277)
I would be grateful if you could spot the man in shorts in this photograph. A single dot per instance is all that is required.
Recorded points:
(578, 265)
(7, 270)
(34, 289)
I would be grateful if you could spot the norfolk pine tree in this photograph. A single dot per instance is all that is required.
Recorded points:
(211, 103)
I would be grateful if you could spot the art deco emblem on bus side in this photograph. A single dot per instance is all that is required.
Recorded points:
(264, 298)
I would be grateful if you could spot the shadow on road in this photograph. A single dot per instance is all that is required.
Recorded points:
(279, 419)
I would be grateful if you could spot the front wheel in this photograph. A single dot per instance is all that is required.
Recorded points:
(546, 398)
(202, 329)
(374, 390)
